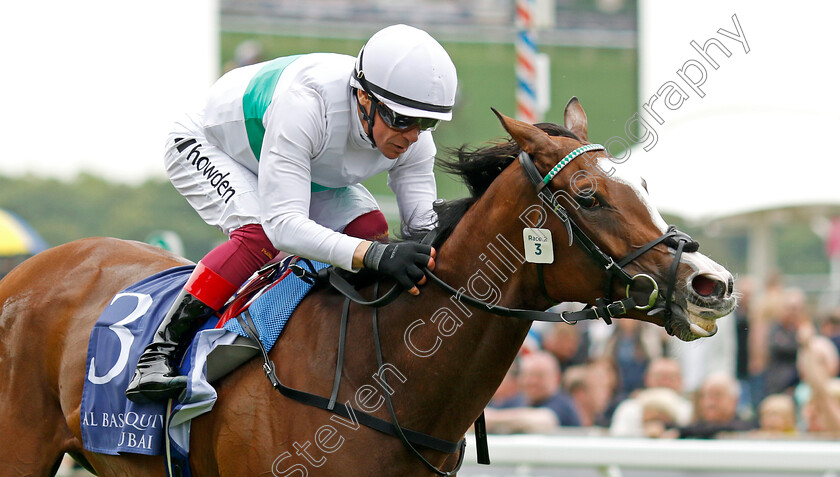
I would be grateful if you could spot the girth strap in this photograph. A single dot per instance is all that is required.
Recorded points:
(347, 412)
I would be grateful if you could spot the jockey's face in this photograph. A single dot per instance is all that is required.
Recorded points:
(390, 142)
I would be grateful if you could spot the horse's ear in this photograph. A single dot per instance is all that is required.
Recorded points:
(529, 137)
(575, 119)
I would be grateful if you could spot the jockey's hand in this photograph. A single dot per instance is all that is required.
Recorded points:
(403, 261)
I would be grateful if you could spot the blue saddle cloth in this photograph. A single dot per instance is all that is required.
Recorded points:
(111, 424)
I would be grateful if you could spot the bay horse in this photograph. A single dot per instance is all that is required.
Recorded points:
(443, 359)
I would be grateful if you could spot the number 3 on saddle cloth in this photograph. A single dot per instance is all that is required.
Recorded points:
(111, 424)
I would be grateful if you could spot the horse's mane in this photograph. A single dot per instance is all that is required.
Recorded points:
(477, 168)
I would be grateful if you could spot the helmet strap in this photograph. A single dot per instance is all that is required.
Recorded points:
(368, 118)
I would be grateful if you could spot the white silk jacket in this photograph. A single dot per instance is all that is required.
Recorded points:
(294, 123)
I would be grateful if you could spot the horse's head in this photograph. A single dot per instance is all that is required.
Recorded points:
(591, 200)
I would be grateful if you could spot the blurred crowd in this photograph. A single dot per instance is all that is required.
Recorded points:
(770, 372)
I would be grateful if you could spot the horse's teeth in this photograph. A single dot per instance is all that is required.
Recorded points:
(699, 331)
(702, 326)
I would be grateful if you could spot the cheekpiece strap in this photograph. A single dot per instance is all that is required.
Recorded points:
(560, 165)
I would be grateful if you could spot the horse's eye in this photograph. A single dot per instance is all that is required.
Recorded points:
(588, 202)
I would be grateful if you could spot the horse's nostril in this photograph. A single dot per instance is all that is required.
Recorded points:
(703, 285)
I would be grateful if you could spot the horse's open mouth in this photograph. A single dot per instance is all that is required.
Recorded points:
(699, 321)
(688, 326)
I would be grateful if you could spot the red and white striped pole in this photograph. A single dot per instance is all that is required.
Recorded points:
(526, 62)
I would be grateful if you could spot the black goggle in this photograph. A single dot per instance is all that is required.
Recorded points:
(404, 123)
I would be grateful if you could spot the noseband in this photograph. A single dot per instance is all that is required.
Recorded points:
(673, 238)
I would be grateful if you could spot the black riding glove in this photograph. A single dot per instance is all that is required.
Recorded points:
(402, 261)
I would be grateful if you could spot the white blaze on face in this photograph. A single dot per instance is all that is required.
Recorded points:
(625, 175)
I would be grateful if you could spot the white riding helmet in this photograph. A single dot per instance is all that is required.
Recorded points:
(408, 71)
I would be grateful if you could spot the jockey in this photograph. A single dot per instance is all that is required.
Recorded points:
(275, 161)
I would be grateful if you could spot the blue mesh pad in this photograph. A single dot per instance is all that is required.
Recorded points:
(271, 310)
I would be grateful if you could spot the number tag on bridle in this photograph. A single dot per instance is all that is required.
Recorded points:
(538, 245)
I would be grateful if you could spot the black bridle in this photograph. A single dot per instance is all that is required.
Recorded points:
(673, 238)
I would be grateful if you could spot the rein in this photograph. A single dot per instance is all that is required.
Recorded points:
(603, 310)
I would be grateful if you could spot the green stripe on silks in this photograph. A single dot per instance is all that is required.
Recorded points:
(320, 188)
(257, 98)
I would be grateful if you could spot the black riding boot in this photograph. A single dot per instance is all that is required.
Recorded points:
(156, 377)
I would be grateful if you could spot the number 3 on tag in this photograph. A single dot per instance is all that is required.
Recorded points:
(538, 245)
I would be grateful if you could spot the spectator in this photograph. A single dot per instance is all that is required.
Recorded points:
(507, 395)
(542, 406)
(664, 373)
(776, 416)
(660, 410)
(818, 363)
(822, 412)
(566, 343)
(782, 343)
(716, 409)
(817, 359)
(830, 327)
(628, 421)
(632, 348)
(761, 317)
(607, 371)
(590, 393)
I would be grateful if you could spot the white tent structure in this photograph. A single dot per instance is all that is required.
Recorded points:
(739, 106)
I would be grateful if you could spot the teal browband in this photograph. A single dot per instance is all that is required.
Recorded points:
(560, 165)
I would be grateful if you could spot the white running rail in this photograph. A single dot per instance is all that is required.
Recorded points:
(609, 454)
